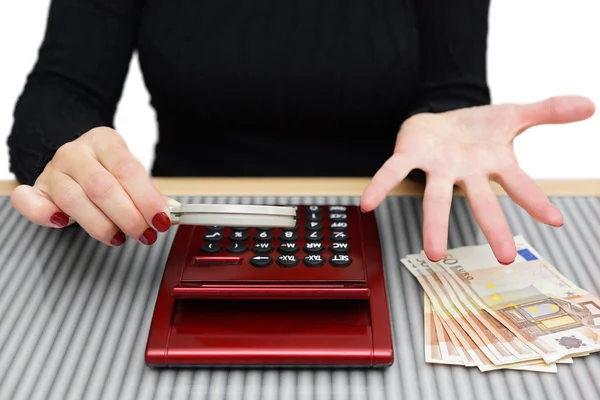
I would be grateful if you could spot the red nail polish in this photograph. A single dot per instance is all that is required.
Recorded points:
(118, 239)
(506, 263)
(161, 222)
(59, 219)
(149, 236)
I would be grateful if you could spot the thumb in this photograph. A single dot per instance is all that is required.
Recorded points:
(37, 207)
(171, 202)
(556, 110)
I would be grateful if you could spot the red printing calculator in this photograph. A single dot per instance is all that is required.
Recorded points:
(312, 295)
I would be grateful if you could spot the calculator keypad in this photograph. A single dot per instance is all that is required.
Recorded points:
(314, 235)
(322, 240)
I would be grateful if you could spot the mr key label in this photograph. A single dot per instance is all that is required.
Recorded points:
(313, 247)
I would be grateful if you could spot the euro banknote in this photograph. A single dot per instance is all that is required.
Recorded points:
(556, 318)
(524, 316)
(455, 343)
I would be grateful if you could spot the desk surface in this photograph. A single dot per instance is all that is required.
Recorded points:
(74, 314)
(324, 187)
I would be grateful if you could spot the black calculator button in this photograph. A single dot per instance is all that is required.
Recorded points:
(263, 235)
(337, 209)
(339, 236)
(287, 260)
(313, 247)
(288, 248)
(313, 225)
(288, 235)
(338, 217)
(236, 247)
(313, 236)
(238, 236)
(315, 209)
(210, 248)
(213, 236)
(338, 226)
(262, 247)
(339, 247)
(239, 229)
(215, 228)
(314, 260)
(340, 260)
(261, 261)
(313, 216)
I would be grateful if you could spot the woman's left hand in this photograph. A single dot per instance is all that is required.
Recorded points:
(469, 147)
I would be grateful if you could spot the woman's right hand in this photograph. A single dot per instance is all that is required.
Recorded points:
(96, 182)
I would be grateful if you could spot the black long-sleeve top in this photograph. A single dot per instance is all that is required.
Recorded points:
(253, 87)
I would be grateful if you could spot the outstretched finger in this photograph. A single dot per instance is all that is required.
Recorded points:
(527, 194)
(391, 173)
(437, 202)
(490, 218)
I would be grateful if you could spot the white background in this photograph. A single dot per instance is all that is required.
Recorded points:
(537, 49)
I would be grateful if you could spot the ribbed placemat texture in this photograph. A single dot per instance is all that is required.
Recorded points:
(74, 316)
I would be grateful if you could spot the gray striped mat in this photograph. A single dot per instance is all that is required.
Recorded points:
(74, 317)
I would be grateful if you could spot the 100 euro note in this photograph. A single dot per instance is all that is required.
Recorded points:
(463, 337)
(549, 313)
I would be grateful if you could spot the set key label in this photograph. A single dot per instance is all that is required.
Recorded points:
(340, 260)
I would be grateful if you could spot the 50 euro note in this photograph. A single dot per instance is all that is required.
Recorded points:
(506, 348)
(541, 307)
(440, 347)
(462, 335)
(452, 329)
(441, 343)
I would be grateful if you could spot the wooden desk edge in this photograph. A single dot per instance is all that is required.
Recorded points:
(323, 186)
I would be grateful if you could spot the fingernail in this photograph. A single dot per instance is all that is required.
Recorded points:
(506, 263)
(59, 219)
(161, 221)
(172, 203)
(118, 239)
(362, 211)
(149, 236)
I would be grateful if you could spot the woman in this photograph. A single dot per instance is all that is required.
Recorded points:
(363, 88)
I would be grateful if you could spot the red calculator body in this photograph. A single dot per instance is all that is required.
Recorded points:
(313, 295)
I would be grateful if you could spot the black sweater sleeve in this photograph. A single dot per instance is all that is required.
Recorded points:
(76, 82)
(452, 45)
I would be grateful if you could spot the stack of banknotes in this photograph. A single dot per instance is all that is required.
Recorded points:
(523, 316)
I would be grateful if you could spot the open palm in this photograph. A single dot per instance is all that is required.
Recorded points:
(471, 147)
